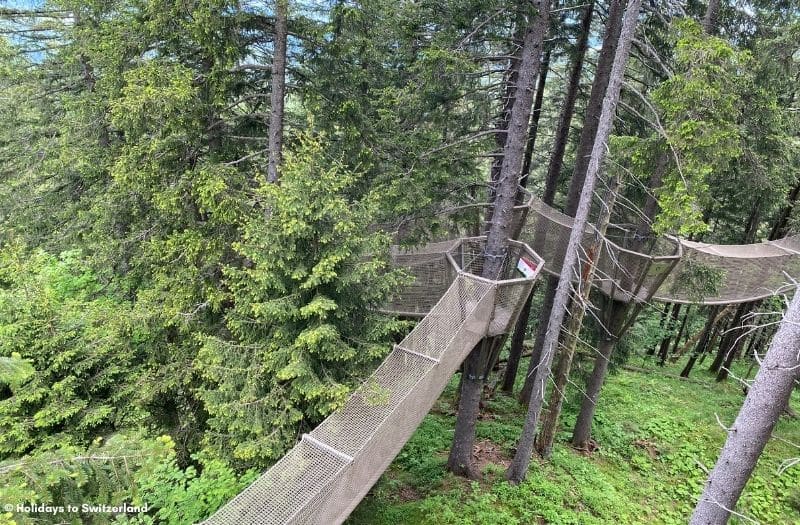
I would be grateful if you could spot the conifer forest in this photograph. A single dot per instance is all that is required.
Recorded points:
(399, 262)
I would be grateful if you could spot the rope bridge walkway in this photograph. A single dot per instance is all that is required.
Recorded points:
(322, 479)
(628, 267)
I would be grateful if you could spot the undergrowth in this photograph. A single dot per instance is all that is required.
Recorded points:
(657, 436)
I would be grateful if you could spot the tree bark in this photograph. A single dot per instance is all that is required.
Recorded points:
(533, 133)
(710, 18)
(664, 349)
(712, 343)
(650, 208)
(661, 323)
(511, 79)
(521, 327)
(682, 329)
(602, 75)
(730, 339)
(767, 398)
(577, 311)
(583, 425)
(278, 94)
(700, 339)
(541, 331)
(460, 460)
(515, 353)
(616, 313)
(519, 465)
(568, 107)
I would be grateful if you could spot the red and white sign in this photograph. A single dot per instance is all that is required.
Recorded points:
(526, 267)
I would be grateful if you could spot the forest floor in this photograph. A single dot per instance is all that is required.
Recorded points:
(656, 436)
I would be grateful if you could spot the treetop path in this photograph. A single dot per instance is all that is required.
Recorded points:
(327, 473)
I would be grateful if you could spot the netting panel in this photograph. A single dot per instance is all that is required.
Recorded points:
(294, 483)
(622, 273)
(349, 428)
(388, 438)
(748, 272)
(317, 481)
(431, 273)
(628, 267)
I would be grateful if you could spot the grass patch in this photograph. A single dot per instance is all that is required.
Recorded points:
(656, 434)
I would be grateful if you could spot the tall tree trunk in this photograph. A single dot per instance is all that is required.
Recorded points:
(661, 323)
(712, 342)
(664, 349)
(460, 460)
(583, 425)
(753, 221)
(602, 75)
(577, 311)
(701, 339)
(515, 352)
(521, 326)
(511, 79)
(710, 18)
(519, 466)
(533, 133)
(616, 313)
(278, 94)
(538, 342)
(682, 329)
(767, 398)
(568, 107)
(734, 344)
(588, 134)
(650, 208)
(730, 338)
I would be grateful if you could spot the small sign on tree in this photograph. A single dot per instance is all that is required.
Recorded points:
(526, 267)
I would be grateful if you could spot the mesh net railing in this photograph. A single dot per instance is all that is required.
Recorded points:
(627, 267)
(746, 272)
(323, 478)
(621, 272)
(625, 271)
(432, 275)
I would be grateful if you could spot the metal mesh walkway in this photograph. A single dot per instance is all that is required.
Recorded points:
(628, 268)
(748, 272)
(323, 478)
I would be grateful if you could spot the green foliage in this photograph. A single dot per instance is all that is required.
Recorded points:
(423, 456)
(302, 326)
(14, 370)
(656, 434)
(79, 350)
(122, 468)
(392, 84)
(107, 472)
(702, 106)
(697, 280)
(177, 496)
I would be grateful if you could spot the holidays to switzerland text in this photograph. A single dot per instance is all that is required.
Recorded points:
(88, 508)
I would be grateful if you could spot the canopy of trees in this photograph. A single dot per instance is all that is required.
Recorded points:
(192, 266)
